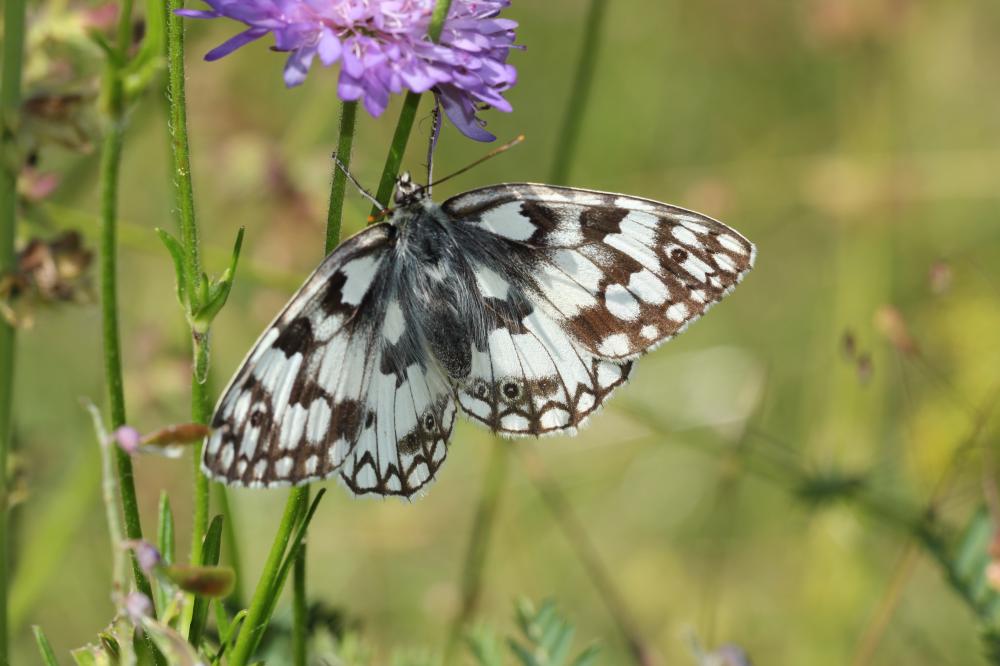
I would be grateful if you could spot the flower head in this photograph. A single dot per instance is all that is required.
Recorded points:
(383, 48)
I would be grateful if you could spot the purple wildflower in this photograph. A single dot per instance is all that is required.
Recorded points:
(146, 555)
(383, 48)
(128, 438)
(137, 606)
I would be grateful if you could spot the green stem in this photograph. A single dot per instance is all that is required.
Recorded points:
(479, 544)
(268, 587)
(230, 545)
(184, 203)
(338, 186)
(300, 608)
(579, 92)
(396, 149)
(109, 173)
(406, 117)
(10, 103)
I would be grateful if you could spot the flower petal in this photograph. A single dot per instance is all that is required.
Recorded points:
(462, 113)
(234, 42)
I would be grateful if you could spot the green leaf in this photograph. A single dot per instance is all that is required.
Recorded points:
(176, 251)
(229, 635)
(91, 655)
(547, 637)
(296, 546)
(522, 653)
(218, 293)
(165, 529)
(210, 551)
(149, 60)
(587, 657)
(173, 646)
(44, 648)
(485, 647)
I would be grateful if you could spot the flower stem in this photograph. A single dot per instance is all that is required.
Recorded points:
(579, 92)
(338, 186)
(184, 203)
(479, 544)
(396, 149)
(406, 116)
(10, 103)
(268, 588)
(109, 173)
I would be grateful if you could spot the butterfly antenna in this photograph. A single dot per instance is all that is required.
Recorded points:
(493, 153)
(435, 133)
(354, 181)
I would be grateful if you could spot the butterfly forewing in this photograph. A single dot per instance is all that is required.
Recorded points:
(621, 274)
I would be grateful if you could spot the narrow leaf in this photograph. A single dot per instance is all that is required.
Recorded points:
(176, 251)
(44, 648)
(165, 530)
(209, 557)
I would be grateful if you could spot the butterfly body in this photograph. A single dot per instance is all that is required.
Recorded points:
(521, 305)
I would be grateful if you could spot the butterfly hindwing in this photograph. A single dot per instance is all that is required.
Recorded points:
(621, 274)
(527, 375)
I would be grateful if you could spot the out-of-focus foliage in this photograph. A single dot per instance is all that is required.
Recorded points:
(801, 473)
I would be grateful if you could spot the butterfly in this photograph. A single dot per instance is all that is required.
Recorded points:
(523, 306)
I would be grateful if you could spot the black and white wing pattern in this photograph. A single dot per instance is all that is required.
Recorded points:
(526, 305)
(337, 384)
(578, 283)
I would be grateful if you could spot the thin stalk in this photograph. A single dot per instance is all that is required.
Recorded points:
(230, 544)
(406, 117)
(334, 216)
(338, 185)
(300, 609)
(479, 544)
(10, 104)
(396, 149)
(591, 560)
(268, 589)
(579, 92)
(109, 174)
(184, 203)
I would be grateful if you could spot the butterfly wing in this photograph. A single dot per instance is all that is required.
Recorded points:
(576, 284)
(621, 274)
(336, 384)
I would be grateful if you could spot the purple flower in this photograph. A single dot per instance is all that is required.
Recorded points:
(146, 555)
(383, 48)
(138, 607)
(128, 438)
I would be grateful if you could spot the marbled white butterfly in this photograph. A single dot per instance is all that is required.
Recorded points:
(523, 305)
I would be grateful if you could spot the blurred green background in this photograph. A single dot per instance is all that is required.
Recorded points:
(856, 142)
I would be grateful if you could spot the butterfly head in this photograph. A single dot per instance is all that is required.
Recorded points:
(408, 191)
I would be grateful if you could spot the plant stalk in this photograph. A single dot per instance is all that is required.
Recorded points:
(479, 544)
(109, 177)
(184, 202)
(258, 615)
(579, 93)
(10, 104)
